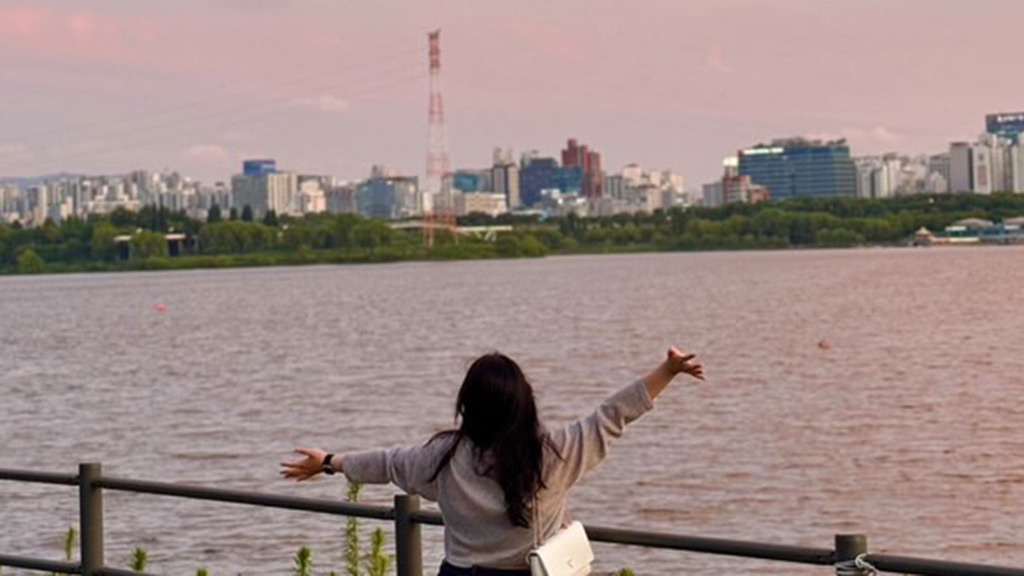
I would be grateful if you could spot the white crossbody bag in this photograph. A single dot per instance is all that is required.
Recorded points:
(567, 553)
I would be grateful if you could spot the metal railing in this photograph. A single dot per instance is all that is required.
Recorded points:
(408, 519)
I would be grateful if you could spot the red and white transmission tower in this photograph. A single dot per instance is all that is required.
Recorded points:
(438, 203)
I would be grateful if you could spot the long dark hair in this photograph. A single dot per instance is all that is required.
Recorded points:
(496, 411)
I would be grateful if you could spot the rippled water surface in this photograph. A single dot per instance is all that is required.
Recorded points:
(909, 428)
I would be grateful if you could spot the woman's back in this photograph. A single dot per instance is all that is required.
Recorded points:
(478, 531)
(501, 481)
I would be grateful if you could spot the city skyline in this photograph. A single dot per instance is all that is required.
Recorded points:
(109, 86)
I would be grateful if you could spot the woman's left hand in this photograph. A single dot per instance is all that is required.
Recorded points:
(304, 468)
(680, 362)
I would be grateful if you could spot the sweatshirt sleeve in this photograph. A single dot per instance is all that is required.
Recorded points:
(408, 467)
(583, 444)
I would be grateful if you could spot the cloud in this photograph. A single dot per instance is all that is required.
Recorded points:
(326, 103)
(208, 153)
(79, 33)
(23, 22)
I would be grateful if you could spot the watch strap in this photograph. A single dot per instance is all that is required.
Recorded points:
(326, 465)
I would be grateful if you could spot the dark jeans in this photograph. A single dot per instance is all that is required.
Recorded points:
(449, 570)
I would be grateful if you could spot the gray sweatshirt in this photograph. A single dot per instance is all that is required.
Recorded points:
(477, 532)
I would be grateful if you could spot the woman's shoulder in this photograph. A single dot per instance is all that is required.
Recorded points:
(442, 445)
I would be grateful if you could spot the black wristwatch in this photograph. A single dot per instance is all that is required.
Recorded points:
(326, 467)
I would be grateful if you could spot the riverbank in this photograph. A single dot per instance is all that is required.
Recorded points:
(311, 258)
(159, 239)
(341, 257)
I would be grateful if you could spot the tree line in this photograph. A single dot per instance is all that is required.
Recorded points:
(85, 244)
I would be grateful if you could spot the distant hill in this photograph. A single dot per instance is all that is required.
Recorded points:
(23, 183)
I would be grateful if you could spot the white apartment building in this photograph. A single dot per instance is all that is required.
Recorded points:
(276, 191)
(990, 164)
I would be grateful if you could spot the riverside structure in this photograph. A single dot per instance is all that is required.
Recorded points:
(849, 557)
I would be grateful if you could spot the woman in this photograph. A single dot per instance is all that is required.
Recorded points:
(499, 469)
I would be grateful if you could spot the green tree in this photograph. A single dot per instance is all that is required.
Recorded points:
(147, 244)
(270, 218)
(840, 237)
(530, 247)
(102, 245)
(247, 213)
(50, 233)
(507, 245)
(233, 213)
(213, 214)
(369, 234)
(29, 262)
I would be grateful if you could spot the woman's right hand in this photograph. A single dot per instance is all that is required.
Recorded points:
(678, 362)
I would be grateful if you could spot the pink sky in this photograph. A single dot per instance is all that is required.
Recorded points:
(332, 86)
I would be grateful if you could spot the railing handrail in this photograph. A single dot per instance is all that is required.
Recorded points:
(269, 500)
(407, 516)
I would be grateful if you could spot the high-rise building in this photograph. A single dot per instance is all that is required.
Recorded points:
(341, 199)
(259, 167)
(880, 176)
(389, 197)
(275, 191)
(503, 156)
(1017, 165)
(542, 174)
(468, 181)
(713, 194)
(1005, 125)
(981, 162)
(589, 161)
(799, 168)
(961, 170)
(506, 182)
(938, 173)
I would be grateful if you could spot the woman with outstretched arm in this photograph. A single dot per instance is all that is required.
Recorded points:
(500, 469)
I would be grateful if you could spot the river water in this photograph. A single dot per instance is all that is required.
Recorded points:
(908, 428)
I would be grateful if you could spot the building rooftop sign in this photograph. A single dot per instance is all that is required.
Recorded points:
(1007, 117)
(762, 150)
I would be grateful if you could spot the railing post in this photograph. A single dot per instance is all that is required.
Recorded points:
(408, 543)
(848, 547)
(91, 517)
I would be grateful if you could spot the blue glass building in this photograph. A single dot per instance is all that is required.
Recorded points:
(1007, 125)
(259, 167)
(464, 181)
(545, 174)
(800, 168)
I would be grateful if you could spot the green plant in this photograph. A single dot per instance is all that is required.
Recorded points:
(377, 561)
(624, 572)
(303, 562)
(139, 559)
(29, 262)
(352, 555)
(202, 572)
(69, 543)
